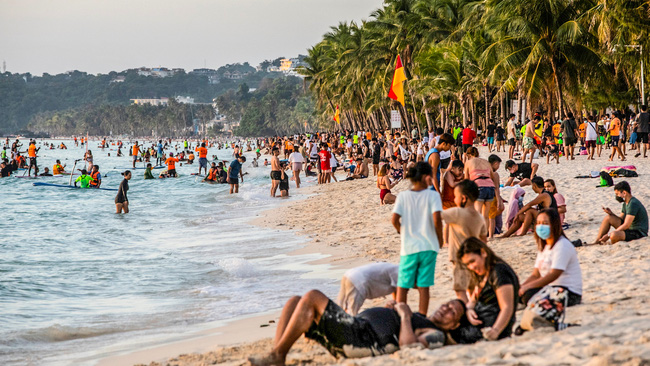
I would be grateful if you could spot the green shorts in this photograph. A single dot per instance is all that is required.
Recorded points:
(419, 266)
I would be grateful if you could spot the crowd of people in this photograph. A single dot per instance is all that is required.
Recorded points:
(455, 200)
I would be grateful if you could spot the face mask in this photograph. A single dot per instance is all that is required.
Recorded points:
(543, 231)
(620, 199)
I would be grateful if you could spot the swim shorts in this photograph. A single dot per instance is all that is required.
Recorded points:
(490, 140)
(615, 140)
(642, 137)
(529, 143)
(233, 180)
(486, 194)
(276, 175)
(203, 162)
(417, 269)
(633, 235)
(590, 143)
(32, 161)
(346, 335)
(511, 142)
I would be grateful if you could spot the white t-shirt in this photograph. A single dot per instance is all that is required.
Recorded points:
(416, 209)
(590, 131)
(333, 162)
(375, 279)
(296, 157)
(562, 256)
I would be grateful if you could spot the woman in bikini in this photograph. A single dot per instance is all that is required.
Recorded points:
(480, 172)
(385, 185)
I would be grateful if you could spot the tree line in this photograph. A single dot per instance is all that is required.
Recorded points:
(174, 120)
(23, 96)
(466, 59)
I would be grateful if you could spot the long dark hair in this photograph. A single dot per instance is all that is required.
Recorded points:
(556, 227)
(474, 245)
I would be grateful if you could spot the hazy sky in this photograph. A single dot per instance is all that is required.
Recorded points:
(98, 36)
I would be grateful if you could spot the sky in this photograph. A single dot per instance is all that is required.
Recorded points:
(99, 36)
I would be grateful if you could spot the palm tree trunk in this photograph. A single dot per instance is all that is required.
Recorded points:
(426, 114)
(487, 103)
(558, 89)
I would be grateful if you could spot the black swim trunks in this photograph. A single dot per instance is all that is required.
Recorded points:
(276, 175)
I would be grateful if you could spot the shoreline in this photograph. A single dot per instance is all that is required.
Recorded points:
(613, 320)
(249, 328)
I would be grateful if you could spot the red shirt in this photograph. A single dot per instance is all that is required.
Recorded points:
(325, 157)
(468, 136)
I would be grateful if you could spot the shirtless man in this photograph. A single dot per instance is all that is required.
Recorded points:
(529, 139)
(362, 169)
(276, 174)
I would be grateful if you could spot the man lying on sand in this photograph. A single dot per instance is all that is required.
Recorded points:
(375, 331)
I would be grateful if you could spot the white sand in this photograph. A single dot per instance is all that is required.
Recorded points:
(346, 219)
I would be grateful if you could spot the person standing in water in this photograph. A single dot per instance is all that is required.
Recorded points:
(121, 200)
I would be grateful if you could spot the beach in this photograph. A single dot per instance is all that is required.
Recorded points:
(346, 221)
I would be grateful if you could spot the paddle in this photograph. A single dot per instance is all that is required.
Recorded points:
(71, 174)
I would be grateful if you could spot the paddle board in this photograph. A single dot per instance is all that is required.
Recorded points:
(139, 168)
(41, 184)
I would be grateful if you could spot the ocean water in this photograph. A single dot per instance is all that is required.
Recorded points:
(78, 282)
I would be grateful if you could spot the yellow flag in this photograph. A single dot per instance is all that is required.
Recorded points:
(337, 115)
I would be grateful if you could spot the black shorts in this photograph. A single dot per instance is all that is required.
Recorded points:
(512, 142)
(276, 175)
(642, 137)
(444, 163)
(633, 235)
(233, 180)
(615, 140)
(465, 147)
(32, 161)
(339, 331)
(171, 172)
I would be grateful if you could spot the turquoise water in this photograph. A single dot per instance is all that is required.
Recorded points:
(75, 276)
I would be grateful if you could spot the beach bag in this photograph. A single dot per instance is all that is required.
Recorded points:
(606, 180)
(546, 309)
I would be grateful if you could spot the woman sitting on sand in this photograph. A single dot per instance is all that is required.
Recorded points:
(397, 171)
(527, 214)
(493, 290)
(385, 185)
(549, 186)
(557, 261)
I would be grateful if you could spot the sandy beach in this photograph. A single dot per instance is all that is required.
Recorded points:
(346, 220)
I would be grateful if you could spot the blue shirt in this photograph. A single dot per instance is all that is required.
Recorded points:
(160, 149)
(234, 169)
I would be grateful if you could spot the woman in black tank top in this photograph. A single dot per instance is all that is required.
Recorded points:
(527, 215)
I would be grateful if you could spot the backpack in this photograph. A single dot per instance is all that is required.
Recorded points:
(606, 180)
(622, 172)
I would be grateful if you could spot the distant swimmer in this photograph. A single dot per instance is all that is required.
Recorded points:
(203, 157)
(46, 172)
(234, 173)
(121, 200)
(59, 169)
(84, 179)
(171, 165)
(135, 153)
(96, 176)
(31, 151)
(147, 172)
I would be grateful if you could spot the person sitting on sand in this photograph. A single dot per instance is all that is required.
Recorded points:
(450, 179)
(493, 289)
(557, 261)
(367, 282)
(522, 171)
(631, 224)
(385, 185)
(375, 331)
(527, 214)
(549, 186)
